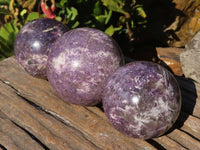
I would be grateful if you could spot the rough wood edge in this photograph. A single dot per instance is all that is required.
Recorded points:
(92, 116)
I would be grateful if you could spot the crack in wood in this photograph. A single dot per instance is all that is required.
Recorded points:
(32, 136)
(3, 147)
(155, 144)
(190, 135)
(67, 123)
(92, 112)
(177, 142)
(51, 113)
(8, 84)
(57, 117)
(31, 103)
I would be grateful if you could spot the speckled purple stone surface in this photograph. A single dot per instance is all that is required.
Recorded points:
(80, 62)
(142, 100)
(33, 42)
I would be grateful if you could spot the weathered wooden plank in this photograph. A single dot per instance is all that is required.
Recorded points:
(168, 143)
(53, 133)
(186, 140)
(32, 104)
(171, 57)
(192, 126)
(91, 125)
(7, 143)
(189, 124)
(11, 136)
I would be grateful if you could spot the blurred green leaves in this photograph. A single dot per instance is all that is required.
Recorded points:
(4, 2)
(8, 33)
(32, 16)
(3, 10)
(9, 30)
(111, 16)
(114, 17)
(114, 5)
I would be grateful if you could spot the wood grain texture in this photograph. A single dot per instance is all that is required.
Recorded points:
(190, 60)
(184, 139)
(185, 26)
(10, 133)
(170, 57)
(32, 116)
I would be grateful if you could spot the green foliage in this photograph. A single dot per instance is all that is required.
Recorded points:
(114, 5)
(111, 16)
(13, 23)
(4, 2)
(7, 37)
(2, 10)
(114, 17)
(32, 16)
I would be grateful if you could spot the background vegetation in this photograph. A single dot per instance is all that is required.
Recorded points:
(117, 18)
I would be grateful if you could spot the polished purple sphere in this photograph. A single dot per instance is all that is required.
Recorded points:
(80, 62)
(33, 42)
(142, 99)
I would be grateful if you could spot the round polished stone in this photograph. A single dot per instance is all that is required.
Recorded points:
(142, 99)
(79, 64)
(33, 42)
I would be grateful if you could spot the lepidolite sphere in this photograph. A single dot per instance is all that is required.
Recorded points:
(80, 62)
(33, 42)
(142, 99)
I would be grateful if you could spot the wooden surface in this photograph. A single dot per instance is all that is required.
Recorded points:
(170, 57)
(33, 117)
(190, 60)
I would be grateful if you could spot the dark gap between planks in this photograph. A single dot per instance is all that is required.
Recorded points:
(156, 144)
(57, 118)
(2, 147)
(32, 136)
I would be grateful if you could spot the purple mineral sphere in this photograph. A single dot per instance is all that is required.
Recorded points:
(33, 42)
(80, 62)
(142, 99)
